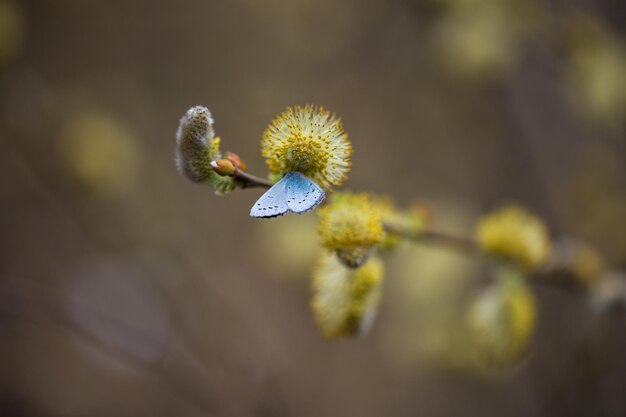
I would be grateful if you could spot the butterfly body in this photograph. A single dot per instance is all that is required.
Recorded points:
(294, 192)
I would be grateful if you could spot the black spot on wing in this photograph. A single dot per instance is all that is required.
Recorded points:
(271, 204)
(305, 195)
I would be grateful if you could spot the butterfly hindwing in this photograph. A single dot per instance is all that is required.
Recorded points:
(273, 203)
(302, 193)
(294, 192)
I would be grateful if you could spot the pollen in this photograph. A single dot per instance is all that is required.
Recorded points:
(309, 140)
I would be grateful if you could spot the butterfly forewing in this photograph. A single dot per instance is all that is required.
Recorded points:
(273, 203)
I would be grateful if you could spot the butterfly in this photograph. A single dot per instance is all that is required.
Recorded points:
(294, 192)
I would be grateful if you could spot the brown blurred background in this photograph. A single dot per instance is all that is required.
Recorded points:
(126, 290)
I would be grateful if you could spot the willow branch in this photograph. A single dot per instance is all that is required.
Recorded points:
(250, 181)
(461, 243)
(429, 236)
(470, 247)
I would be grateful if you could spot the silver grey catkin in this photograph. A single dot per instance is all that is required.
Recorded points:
(195, 144)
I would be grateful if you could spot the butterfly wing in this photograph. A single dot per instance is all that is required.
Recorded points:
(273, 203)
(302, 193)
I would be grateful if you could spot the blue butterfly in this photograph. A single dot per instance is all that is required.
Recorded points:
(294, 192)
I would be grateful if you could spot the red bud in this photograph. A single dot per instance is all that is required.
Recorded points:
(236, 160)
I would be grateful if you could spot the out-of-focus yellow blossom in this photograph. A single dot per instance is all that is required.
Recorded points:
(596, 71)
(515, 234)
(12, 30)
(309, 140)
(197, 146)
(476, 38)
(501, 320)
(350, 225)
(100, 152)
(475, 46)
(577, 259)
(345, 300)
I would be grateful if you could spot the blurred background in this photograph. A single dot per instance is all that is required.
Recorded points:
(127, 290)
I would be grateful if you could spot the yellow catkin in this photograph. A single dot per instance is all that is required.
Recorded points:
(350, 220)
(351, 226)
(345, 300)
(309, 140)
(501, 320)
(515, 234)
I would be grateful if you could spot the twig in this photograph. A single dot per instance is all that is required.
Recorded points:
(250, 181)
(461, 243)
(458, 242)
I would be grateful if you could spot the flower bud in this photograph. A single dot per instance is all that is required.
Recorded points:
(236, 160)
(224, 167)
